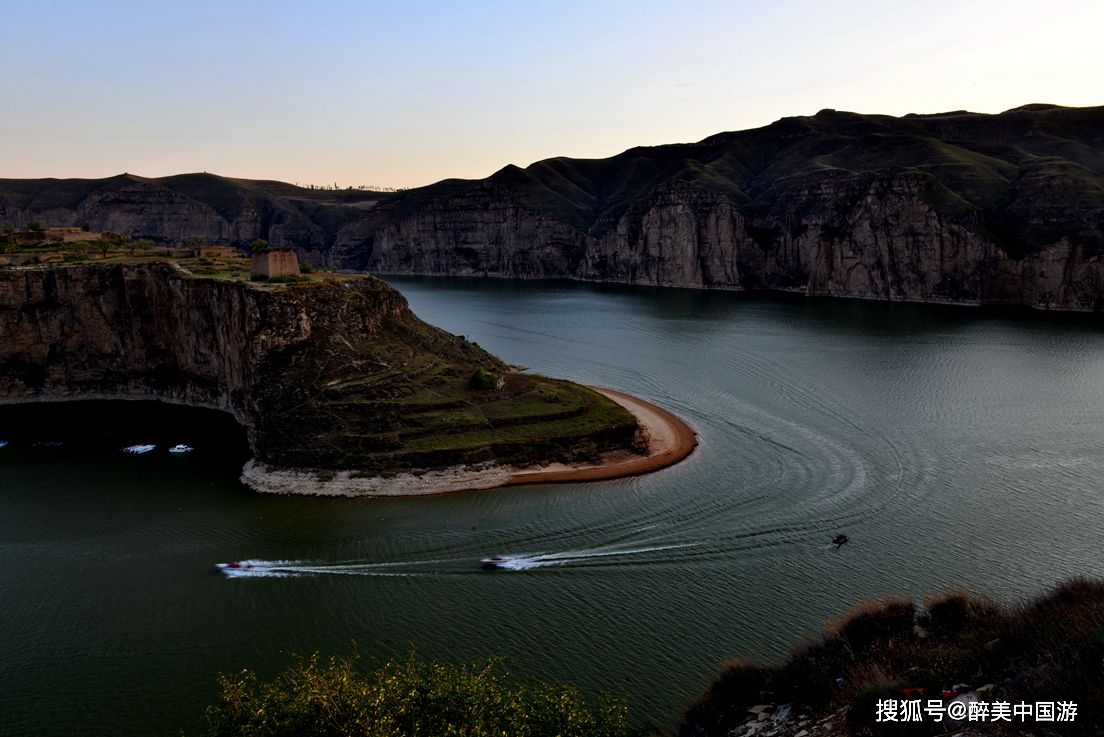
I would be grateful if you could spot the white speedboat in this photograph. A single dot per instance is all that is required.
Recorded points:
(138, 449)
(181, 448)
(495, 563)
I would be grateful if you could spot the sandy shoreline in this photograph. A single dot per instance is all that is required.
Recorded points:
(669, 440)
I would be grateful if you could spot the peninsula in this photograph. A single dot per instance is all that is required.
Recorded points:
(340, 388)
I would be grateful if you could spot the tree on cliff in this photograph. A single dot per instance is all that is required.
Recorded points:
(140, 246)
(258, 245)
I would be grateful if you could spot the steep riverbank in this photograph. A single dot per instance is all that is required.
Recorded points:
(952, 207)
(330, 375)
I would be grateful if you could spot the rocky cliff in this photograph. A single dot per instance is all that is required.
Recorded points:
(331, 374)
(954, 207)
(959, 207)
(170, 210)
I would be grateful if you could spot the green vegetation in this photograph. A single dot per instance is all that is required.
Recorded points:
(35, 226)
(415, 397)
(482, 381)
(1049, 649)
(410, 698)
(370, 388)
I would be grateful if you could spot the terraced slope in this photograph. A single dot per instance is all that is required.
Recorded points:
(336, 373)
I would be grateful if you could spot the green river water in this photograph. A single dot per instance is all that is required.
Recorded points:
(954, 446)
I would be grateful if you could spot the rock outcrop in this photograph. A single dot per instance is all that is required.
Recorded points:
(331, 374)
(959, 207)
(170, 210)
(150, 332)
(954, 207)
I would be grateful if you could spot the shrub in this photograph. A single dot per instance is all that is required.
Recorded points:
(482, 380)
(410, 697)
(875, 622)
(740, 685)
(1049, 649)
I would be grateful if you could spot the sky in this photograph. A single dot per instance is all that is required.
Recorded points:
(405, 93)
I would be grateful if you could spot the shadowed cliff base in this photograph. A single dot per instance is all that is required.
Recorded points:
(109, 425)
(332, 375)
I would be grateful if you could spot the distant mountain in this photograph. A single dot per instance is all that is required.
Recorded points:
(170, 209)
(958, 206)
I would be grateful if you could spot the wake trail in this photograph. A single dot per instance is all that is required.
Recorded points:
(527, 561)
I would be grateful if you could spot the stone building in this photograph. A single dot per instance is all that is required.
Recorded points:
(275, 262)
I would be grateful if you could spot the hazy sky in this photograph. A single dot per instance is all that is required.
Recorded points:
(405, 93)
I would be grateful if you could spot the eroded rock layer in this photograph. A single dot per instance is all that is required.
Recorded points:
(955, 207)
(959, 207)
(331, 374)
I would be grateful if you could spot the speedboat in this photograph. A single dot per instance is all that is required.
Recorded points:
(138, 449)
(495, 562)
(839, 539)
(181, 448)
(234, 565)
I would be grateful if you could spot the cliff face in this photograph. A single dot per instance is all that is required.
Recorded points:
(149, 331)
(958, 207)
(171, 209)
(330, 374)
(955, 207)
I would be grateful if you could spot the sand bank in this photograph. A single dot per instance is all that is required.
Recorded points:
(668, 440)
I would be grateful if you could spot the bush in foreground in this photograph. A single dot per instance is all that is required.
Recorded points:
(316, 698)
(1047, 650)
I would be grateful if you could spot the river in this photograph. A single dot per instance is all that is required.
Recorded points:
(956, 447)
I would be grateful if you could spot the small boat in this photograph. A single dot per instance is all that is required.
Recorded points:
(234, 565)
(181, 448)
(495, 563)
(138, 449)
(839, 539)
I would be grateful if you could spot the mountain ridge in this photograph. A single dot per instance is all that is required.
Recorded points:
(948, 207)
